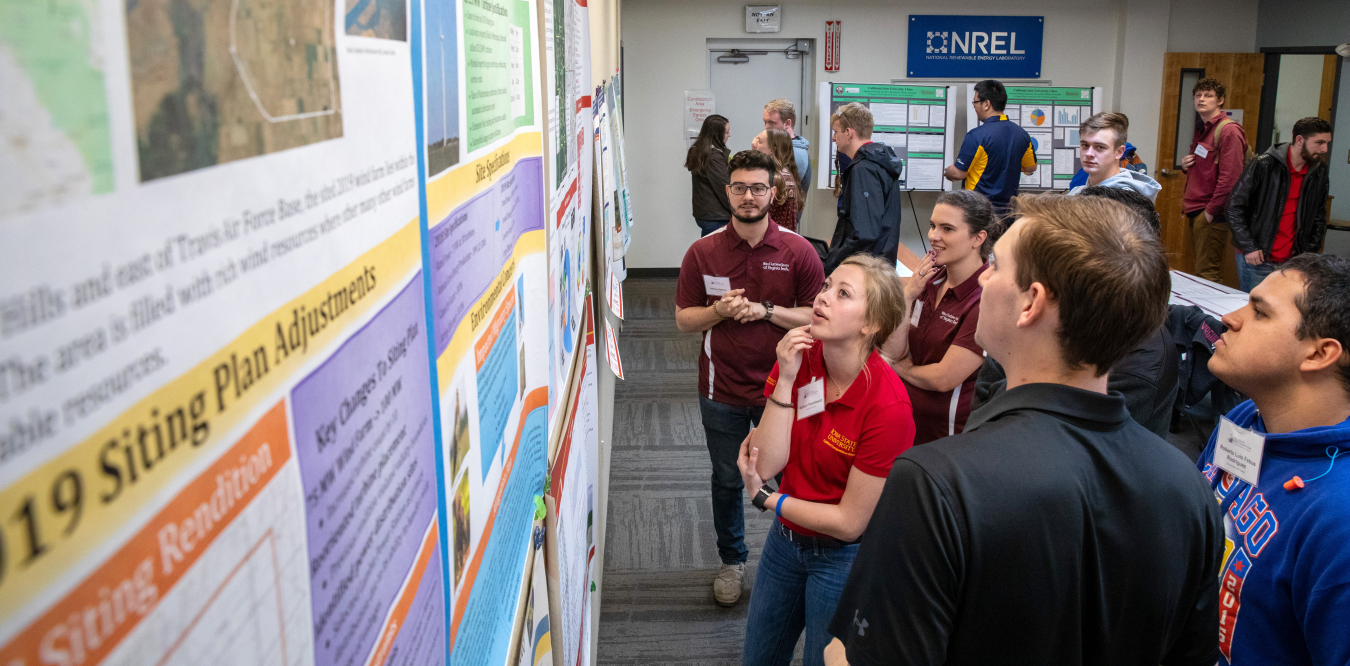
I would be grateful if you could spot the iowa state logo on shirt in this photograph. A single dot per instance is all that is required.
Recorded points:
(841, 443)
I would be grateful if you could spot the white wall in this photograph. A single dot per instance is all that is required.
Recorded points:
(1116, 44)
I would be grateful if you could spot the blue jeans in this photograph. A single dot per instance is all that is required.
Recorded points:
(708, 226)
(725, 427)
(798, 587)
(1249, 276)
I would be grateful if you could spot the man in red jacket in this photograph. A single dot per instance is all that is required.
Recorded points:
(1214, 164)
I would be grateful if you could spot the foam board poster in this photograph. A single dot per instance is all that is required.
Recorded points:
(218, 442)
(1051, 116)
(570, 523)
(276, 298)
(916, 121)
(568, 174)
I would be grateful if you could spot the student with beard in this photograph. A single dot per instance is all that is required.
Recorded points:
(837, 417)
(934, 350)
(741, 287)
(1278, 209)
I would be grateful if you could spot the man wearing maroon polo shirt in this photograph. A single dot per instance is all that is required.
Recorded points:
(742, 287)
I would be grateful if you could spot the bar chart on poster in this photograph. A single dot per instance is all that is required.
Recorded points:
(916, 121)
(1051, 115)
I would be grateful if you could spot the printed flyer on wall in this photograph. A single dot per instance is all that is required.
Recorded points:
(218, 441)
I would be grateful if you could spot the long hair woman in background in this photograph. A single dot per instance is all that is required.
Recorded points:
(778, 145)
(707, 164)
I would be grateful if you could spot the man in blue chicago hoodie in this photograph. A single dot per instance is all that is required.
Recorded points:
(1285, 583)
(869, 205)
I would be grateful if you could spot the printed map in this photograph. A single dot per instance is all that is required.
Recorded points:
(220, 80)
(53, 108)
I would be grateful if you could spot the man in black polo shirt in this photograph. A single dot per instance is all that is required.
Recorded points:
(1055, 529)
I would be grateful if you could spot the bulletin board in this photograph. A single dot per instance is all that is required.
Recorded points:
(1051, 116)
(914, 120)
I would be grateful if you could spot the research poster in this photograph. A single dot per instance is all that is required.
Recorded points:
(483, 164)
(613, 199)
(916, 121)
(568, 174)
(1051, 115)
(218, 439)
(570, 525)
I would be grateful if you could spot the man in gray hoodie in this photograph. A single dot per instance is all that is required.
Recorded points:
(1101, 139)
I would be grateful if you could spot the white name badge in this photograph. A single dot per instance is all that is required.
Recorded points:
(1201, 151)
(811, 399)
(1238, 451)
(914, 318)
(716, 286)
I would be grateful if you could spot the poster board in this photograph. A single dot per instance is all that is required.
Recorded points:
(916, 121)
(1051, 116)
(570, 528)
(276, 375)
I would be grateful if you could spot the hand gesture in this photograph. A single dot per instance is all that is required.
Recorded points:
(790, 350)
(748, 462)
(733, 303)
(752, 312)
(922, 273)
(1188, 161)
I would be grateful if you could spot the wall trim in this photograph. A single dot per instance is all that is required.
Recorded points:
(640, 273)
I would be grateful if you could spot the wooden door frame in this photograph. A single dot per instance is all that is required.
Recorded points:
(1270, 85)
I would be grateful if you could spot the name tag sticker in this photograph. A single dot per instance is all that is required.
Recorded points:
(1238, 450)
(1201, 151)
(811, 399)
(716, 286)
(914, 318)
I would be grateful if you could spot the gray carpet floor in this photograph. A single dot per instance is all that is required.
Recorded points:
(661, 552)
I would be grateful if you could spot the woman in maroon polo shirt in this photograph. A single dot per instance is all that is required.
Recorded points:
(934, 350)
(836, 419)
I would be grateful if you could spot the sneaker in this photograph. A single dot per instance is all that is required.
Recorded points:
(727, 585)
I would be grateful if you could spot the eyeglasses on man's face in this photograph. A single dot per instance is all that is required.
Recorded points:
(758, 189)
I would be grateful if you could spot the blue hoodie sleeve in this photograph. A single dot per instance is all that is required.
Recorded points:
(1321, 582)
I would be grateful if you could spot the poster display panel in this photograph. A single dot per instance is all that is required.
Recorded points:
(1051, 116)
(219, 443)
(481, 134)
(570, 524)
(916, 121)
(568, 176)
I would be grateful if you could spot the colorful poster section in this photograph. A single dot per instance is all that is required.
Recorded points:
(219, 442)
(1051, 115)
(487, 303)
(568, 177)
(612, 177)
(570, 525)
(915, 121)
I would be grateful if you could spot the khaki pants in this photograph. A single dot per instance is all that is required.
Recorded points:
(1211, 241)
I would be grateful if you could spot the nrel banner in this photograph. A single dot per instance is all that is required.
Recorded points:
(1006, 47)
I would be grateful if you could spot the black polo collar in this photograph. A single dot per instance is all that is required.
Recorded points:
(1085, 409)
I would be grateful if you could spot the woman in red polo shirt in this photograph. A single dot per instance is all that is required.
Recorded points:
(836, 419)
(934, 350)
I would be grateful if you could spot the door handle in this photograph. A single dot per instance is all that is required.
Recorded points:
(1166, 173)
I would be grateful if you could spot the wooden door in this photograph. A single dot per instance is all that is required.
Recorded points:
(1242, 74)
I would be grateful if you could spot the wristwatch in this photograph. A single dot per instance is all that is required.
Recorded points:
(761, 497)
(768, 310)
